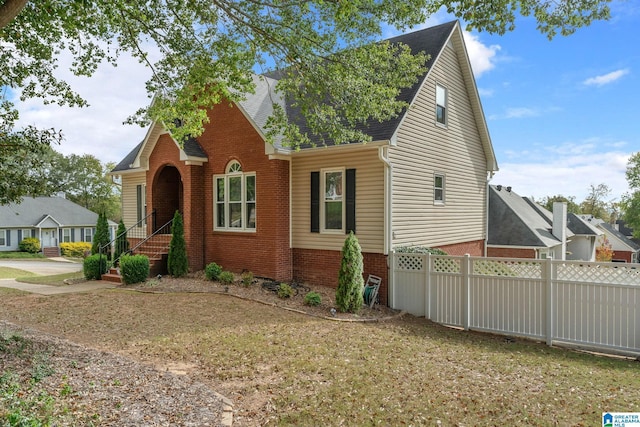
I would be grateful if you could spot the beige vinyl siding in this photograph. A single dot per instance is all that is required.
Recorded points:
(369, 198)
(425, 148)
(129, 197)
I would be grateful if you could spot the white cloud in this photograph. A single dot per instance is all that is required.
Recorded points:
(485, 92)
(606, 78)
(568, 169)
(114, 93)
(481, 56)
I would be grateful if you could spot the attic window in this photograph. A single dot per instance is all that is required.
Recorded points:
(441, 104)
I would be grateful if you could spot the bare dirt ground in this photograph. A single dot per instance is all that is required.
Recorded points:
(170, 386)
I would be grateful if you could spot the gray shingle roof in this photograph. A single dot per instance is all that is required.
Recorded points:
(611, 230)
(33, 210)
(514, 221)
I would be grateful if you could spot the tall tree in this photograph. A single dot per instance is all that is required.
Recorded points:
(101, 237)
(596, 203)
(631, 202)
(572, 206)
(207, 52)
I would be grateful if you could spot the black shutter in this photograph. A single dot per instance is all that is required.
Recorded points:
(315, 202)
(20, 236)
(139, 202)
(73, 234)
(59, 236)
(82, 234)
(350, 205)
(8, 237)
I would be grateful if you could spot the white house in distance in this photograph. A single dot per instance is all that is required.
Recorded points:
(53, 220)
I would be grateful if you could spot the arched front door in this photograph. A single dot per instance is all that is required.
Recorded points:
(167, 195)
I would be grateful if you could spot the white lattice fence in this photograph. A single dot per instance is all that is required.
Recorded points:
(594, 305)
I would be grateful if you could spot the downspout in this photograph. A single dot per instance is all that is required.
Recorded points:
(387, 233)
(486, 211)
(388, 174)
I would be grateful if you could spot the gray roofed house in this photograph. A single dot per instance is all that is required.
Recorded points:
(519, 227)
(624, 249)
(50, 219)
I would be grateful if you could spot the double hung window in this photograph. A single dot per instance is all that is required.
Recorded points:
(235, 201)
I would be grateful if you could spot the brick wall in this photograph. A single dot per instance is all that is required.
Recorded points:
(321, 267)
(229, 136)
(474, 248)
(511, 252)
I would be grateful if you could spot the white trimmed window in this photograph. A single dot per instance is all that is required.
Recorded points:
(66, 235)
(441, 104)
(88, 235)
(3, 237)
(26, 233)
(332, 212)
(235, 202)
(438, 189)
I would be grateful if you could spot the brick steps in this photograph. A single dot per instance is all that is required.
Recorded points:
(156, 249)
(51, 252)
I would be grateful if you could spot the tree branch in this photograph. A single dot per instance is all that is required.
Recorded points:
(9, 9)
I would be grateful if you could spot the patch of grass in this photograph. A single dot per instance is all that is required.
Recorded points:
(12, 273)
(20, 255)
(54, 280)
(289, 369)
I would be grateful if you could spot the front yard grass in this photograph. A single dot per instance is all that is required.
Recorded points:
(12, 273)
(284, 368)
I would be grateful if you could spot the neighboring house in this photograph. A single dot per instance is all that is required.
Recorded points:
(52, 220)
(624, 249)
(284, 214)
(520, 228)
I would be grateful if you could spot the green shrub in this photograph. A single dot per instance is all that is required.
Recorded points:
(75, 249)
(95, 266)
(177, 263)
(30, 244)
(313, 299)
(101, 237)
(247, 278)
(349, 294)
(226, 277)
(134, 268)
(285, 291)
(122, 244)
(419, 250)
(212, 271)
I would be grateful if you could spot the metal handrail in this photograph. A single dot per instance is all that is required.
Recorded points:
(161, 230)
(142, 224)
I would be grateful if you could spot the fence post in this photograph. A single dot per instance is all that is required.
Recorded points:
(427, 285)
(548, 285)
(466, 289)
(392, 282)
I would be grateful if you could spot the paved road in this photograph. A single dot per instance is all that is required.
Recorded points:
(49, 268)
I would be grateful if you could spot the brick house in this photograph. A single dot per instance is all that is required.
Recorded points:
(284, 214)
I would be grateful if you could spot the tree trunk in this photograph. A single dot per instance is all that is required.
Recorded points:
(9, 9)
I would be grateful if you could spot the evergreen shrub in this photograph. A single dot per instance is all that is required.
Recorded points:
(349, 294)
(177, 263)
(212, 271)
(95, 266)
(226, 277)
(134, 268)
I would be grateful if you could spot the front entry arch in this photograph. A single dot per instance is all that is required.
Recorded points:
(167, 195)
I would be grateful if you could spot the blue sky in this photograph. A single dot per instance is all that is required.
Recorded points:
(562, 114)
